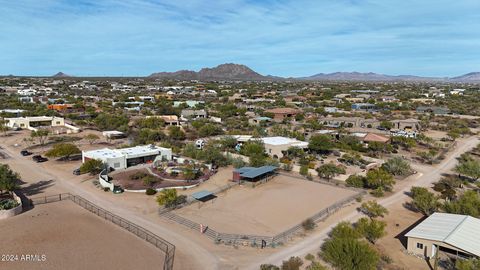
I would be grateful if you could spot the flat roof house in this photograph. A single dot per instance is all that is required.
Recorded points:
(127, 157)
(449, 233)
(275, 146)
(34, 122)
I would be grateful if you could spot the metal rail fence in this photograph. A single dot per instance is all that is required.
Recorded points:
(256, 240)
(160, 243)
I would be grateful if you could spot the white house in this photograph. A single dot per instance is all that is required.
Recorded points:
(126, 157)
(274, 146)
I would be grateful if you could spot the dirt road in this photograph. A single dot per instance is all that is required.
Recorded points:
(425, 177)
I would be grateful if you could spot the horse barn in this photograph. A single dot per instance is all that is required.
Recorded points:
(127, 157)
(252, 174)
(451, 234)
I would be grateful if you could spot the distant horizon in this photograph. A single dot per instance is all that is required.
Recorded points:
(286, 38)
(196, 70)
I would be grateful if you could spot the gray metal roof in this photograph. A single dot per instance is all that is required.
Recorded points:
(201, 194)
(460, 231)
(250, 172)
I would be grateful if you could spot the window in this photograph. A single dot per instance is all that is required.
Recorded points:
(420, 245)
(58, 122)
(116, 164)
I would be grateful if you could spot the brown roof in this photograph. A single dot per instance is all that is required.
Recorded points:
(372, 137)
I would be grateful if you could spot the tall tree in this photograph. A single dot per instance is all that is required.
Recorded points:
(8, 179)
(373, 210)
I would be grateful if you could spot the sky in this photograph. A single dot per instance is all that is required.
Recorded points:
(289, 38)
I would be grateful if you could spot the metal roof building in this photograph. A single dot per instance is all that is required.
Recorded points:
(252, 173)
(457, 234)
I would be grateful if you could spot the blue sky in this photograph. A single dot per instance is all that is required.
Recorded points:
(278, 37)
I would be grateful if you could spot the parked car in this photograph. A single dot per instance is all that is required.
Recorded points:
(76, 172)
(39, 158)
(25, 153)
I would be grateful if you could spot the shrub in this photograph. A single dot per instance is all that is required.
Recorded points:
(8, 204)
(357, 181)
(106, 189)
(293, 263)
(304, 170)
(308, 224)
(138, 175)
(150, 191)
(149, 180)
(91, 166)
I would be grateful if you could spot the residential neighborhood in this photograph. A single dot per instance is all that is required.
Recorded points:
(239, 135)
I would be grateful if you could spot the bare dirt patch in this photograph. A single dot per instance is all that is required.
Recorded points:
(267, 209)
(72, 238)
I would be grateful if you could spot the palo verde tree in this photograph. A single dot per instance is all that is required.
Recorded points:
(423, 201)
(63, 150)
(373, 210)
(329, 170)
(41, 135)
(92, 166)
(8, 179)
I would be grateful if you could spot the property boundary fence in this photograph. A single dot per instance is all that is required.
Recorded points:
(158, 242)
(256, 240)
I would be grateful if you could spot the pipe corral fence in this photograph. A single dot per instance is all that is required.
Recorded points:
(166, 247)
(258, 240)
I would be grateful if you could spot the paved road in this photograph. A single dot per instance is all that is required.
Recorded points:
(426, 176)
(196, 254)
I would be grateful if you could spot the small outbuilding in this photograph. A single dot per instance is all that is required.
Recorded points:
(450, 233)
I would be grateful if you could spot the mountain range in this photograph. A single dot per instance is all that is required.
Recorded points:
(237, 72)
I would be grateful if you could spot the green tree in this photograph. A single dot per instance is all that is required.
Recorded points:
(371, 229)
(379, 178)
(91, 138)
(92, 166)
(209, 130)
(320, 143)
(109, 121)
(63, 150)
(344, 229)
(466, 204)
(397, 166)
(357, 181)
(169, 198)
(329, 170)
(41, 135)
(373, 210)
(470, 168)
(8, 179)
(424, 201)
(176, 133)
(349, 254)
(386, 125)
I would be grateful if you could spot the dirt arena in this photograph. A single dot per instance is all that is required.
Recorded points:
(66, 236)
(267, 209)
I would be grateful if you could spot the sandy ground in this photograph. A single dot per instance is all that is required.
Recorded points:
(399, 221)
(267, 209)
(70, 237)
